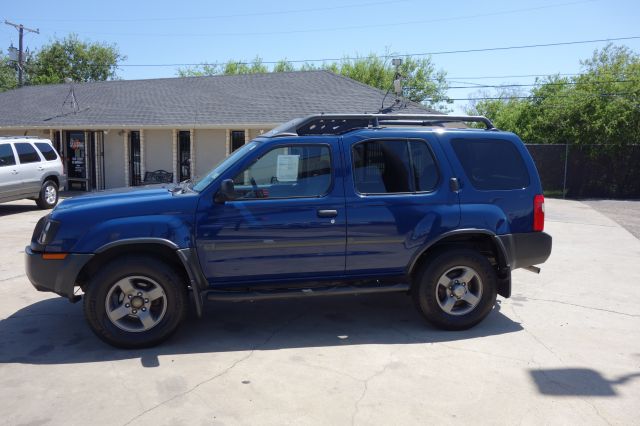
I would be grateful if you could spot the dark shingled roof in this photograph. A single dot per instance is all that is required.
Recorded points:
(199, 101)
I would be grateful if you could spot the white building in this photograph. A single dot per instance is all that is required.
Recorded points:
(111, 133)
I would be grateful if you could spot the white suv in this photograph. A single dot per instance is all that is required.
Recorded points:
(30, 168)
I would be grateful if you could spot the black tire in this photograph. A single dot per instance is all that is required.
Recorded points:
(139, 270)
(43, 201)
(429, 298)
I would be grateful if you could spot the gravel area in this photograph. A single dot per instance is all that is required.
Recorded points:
(626, 213)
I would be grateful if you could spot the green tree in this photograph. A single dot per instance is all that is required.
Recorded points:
(601, 105)
(73, 58)
(199, 70)
(231, 67)
(421, 81)
(8, 75)
(283, 66)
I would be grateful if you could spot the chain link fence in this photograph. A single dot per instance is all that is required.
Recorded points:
(588, 171)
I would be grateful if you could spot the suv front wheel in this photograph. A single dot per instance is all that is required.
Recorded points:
(456, 289)
(135, 302)
(48, 197)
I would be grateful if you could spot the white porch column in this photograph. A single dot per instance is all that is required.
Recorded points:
(125, 141)
(142, 165)
(246, 135)
(192, 143)
(227, 143)
(51, 135)
(174, 154)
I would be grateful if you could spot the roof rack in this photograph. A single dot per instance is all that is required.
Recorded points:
(337, 124)
(20, 137)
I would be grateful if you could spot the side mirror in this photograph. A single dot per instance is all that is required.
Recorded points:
(227, 192)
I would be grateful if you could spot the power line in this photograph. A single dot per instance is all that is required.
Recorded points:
(567, 83)
(351, 27)
(440, 52)
(490, 77)
(233, 15)
(506, 98)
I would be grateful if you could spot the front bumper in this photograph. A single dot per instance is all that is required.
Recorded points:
(526, 249)
(57, 276)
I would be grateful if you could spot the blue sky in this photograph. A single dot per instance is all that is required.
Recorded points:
(170, 32)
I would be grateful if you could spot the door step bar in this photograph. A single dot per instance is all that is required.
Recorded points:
(238, 296)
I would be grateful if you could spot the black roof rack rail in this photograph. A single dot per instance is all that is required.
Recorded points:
(337, 124)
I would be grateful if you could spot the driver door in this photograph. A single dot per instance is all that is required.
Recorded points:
(288, 221)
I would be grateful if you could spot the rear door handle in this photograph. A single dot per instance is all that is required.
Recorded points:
(14, 172)
(327, 213)
(40, 168)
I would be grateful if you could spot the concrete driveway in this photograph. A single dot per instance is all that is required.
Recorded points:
(565, 349)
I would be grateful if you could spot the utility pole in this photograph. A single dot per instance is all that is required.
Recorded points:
(21, 29)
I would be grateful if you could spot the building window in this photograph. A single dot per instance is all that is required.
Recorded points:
(135, 163)
(237, 139)
(184, 155)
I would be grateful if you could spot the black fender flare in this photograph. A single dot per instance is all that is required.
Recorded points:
(503, 255)
(188, 258)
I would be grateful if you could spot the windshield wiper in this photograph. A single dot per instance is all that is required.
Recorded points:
(183, 186)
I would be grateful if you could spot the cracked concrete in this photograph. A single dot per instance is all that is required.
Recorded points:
(220, 374)
(565, 349)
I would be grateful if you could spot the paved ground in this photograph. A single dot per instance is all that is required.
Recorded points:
(626, 213)
(564, 350)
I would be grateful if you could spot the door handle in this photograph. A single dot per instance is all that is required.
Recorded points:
(40, 168)
(14, 172)
(327, 213)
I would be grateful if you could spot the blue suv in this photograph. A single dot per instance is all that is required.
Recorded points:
(322, 205)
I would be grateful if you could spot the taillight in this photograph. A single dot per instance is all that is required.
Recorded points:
(538, 213)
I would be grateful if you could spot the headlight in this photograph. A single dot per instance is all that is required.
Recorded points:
(48, 232)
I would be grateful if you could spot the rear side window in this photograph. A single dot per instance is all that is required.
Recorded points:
(382, 167)
(393, 166)
(27, 153)
(425, 171)
(491, 164)
(47, 151)
(6, 155)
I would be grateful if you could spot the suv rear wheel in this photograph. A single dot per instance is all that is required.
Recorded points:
(135, 302)
(48, 195)
(456, 289)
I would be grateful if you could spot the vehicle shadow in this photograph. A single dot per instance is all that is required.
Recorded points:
(11, 209)
(53, 331)
(577, 382)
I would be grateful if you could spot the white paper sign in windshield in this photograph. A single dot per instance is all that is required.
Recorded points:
(288, 168)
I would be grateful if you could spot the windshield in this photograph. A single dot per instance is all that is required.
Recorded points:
(201, 184)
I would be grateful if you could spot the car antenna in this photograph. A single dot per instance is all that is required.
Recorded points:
(396, 86)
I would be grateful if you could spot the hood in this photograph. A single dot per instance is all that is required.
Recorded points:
(123, 202)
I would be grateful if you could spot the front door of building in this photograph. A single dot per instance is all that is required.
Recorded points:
(76, 158)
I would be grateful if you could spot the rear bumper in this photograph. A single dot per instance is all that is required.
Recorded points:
(526, 249)
(57, 276)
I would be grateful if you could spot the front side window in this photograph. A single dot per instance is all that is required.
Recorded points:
(287, 172)
(393, 166)
(27, 153)
(491, 164)
(47, 151)
(6, 155)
